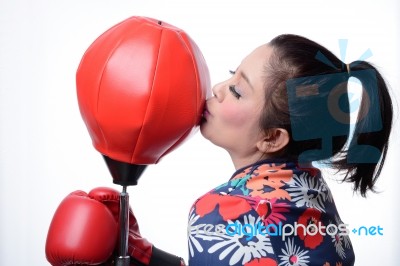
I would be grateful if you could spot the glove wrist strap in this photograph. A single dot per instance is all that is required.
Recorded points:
(160, 257)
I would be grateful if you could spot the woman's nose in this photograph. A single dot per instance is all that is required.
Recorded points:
(218, 92)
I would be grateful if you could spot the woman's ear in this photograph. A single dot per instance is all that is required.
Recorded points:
(274, 141)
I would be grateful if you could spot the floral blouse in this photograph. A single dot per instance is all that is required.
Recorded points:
(272, 213)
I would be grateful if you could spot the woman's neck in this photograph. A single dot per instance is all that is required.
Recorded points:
(242, 161)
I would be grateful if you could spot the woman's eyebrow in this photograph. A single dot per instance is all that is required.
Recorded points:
(246, 78)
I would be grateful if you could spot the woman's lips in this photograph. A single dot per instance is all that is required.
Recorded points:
(206, 113)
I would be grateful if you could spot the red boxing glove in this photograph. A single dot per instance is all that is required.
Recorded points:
(141, 251)
(83, 229)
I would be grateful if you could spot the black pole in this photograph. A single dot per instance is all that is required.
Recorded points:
(124, 174)
(123, 258)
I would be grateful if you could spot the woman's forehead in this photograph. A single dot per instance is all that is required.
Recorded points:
(253, 65)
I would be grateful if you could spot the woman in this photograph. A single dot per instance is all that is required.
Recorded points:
(271, 140)
(284, 107)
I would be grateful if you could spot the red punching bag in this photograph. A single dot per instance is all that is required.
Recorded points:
(141, 89)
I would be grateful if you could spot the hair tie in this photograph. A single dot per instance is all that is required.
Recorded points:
(348, 69)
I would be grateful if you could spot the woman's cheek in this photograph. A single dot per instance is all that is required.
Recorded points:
(232, 115)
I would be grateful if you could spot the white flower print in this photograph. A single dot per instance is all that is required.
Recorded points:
(239, 247)
(340, 241)
(201, 231)
(192, 233)
(307, 191)
(293, 255)
(346, 240)
(329, 195)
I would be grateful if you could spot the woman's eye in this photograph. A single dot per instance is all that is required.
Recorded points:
(234, 92)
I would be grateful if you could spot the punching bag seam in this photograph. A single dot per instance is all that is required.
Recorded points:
(196, 70)
(98, 92)
(152, 87)
(187, 132)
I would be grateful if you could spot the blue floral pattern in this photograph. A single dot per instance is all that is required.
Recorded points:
(273, 195)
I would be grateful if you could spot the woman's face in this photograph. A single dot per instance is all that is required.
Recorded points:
(231, 117)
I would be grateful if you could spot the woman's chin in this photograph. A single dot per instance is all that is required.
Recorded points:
(204, 129)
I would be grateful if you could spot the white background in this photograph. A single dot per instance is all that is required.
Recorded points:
(46, 152)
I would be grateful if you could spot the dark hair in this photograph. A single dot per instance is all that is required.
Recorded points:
(297, 63)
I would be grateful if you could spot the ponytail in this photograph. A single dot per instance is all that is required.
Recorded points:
(364, 158)
(315, 134)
